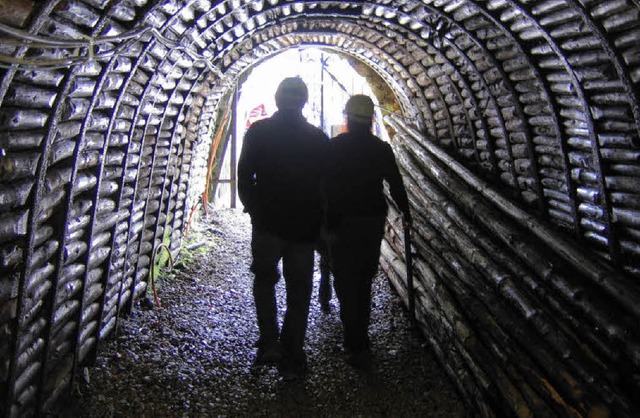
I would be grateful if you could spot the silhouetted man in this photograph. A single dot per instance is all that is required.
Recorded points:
(280, 184)
(357, 209)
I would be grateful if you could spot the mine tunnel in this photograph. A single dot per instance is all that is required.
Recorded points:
(516, 125)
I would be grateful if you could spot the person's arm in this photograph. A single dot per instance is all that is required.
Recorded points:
(325, 232)
(332, 185)
(247, 170)
(396, 186)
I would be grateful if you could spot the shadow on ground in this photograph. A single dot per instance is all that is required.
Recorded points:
(193, 357)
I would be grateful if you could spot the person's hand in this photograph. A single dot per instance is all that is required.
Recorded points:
(406, 222)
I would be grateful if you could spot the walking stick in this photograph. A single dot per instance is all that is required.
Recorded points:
(409, 266)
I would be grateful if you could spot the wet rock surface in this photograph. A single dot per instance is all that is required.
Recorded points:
(193, 356)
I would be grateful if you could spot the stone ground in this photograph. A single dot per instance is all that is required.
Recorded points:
(193, 356)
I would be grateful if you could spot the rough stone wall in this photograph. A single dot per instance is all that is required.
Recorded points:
(107, 109)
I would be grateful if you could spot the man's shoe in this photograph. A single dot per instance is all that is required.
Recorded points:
(292, 370)
(269, 355)
(325, 306)
(361, 360)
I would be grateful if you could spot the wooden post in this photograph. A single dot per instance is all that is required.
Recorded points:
(409, 267)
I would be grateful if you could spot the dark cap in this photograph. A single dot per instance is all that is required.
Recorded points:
(292, 94)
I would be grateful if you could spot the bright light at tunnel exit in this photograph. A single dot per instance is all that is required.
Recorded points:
(331, 80)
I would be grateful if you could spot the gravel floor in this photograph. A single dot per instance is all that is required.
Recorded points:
(193, 357)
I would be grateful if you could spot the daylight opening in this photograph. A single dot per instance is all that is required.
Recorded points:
(331, 79)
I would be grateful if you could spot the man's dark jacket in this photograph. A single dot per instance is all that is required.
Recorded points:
(358, 165)
(280, 175)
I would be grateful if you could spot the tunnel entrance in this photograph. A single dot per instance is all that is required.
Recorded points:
(331, 77)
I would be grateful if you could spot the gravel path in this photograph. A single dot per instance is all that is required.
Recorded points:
(193, 357)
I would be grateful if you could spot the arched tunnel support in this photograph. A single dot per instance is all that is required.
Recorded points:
(107, 113)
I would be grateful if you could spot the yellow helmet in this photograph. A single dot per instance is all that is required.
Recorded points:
(359, 108)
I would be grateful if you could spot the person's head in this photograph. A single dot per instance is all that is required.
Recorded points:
(359, 112)
(292, 94)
